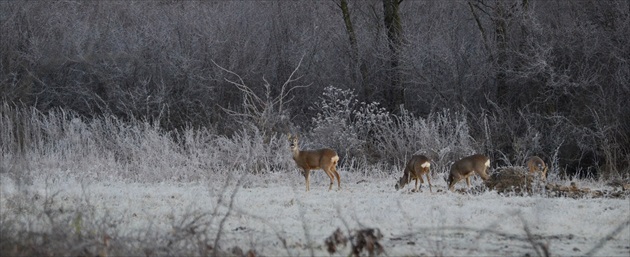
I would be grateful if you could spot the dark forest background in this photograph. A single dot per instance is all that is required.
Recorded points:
(544, 77)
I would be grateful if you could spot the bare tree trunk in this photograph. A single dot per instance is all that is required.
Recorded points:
(481, 29)
(394, 94)
(358, 70)
(500, 27)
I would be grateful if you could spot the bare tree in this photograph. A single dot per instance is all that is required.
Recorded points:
(395, 93)
(358, 69)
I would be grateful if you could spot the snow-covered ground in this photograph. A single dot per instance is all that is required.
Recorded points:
(272, 208)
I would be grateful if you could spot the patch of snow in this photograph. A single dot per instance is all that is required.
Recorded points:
(274, 207)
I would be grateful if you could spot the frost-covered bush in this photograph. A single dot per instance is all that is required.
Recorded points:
(62, 142)
(515, 136)
(250, 151)
(366, 134)
(345, 124)
(332, 125)
(57, 140)
(443, 137)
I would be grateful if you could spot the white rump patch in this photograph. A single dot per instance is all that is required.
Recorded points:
(425, 165)
(335, 158)
(488, 163)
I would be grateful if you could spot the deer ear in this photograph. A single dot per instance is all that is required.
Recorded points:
(289, 135)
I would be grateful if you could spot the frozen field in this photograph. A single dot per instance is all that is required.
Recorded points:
(274, 215)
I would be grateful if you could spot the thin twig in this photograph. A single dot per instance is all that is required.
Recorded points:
(225, 217)
(608, 237)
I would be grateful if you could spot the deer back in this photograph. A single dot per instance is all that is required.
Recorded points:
(414, 169)
(475, 163)
(315, 159)
(418, 165)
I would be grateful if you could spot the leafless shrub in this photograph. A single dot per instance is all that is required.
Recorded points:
(541, 249)
(267, 112)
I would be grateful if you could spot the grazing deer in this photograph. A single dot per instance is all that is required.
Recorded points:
(417, 166)
(536, 165)
(466, 167)
(325, 159)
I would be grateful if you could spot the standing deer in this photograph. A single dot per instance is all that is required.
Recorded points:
(417, 166)
(466, 167)
(536, 165)
(325, 159)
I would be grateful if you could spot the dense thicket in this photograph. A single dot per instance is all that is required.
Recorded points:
(526, 77)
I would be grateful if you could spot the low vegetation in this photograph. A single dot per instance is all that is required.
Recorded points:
(61, 143)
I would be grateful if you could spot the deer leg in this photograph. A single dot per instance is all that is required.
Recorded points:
(334, 169)
(307, 176)
(417, 189)
(468, 181)
(330, 175)
(429, 180)
(452, 181)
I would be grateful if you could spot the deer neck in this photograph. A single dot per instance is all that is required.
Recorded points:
(296, 153)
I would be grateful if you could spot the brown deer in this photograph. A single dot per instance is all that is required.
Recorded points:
(536, 165)
(466, 167)
(417, 166)
(325, 159)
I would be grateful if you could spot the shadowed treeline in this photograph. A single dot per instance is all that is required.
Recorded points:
(525, 76)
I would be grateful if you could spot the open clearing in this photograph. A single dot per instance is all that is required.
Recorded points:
(273, 215)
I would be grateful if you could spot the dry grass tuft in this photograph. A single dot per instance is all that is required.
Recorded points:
(513, 179)
(363, 241)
